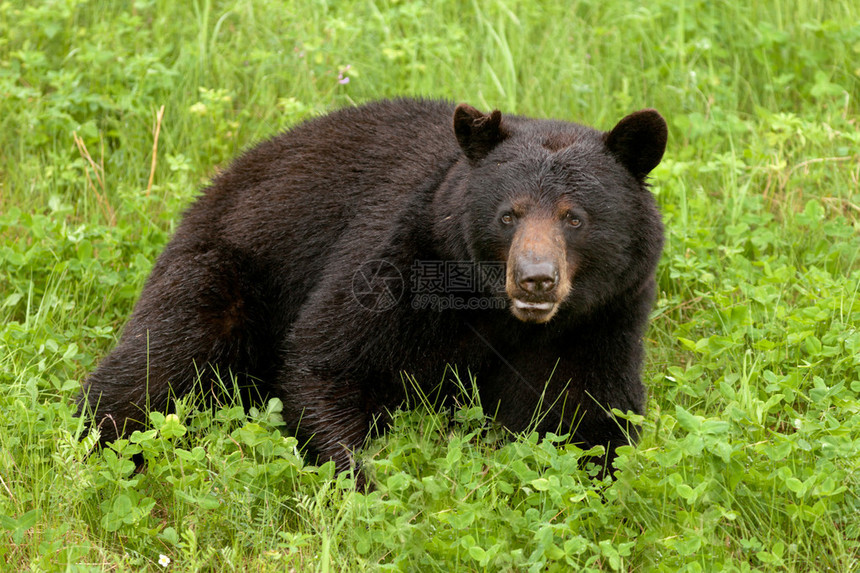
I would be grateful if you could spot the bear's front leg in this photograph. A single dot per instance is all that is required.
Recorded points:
(343, 356)
(569, 389)
(327, 417)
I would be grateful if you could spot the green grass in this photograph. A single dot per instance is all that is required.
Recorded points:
(750, 456)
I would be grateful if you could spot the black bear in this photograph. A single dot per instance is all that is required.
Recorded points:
(405, 236)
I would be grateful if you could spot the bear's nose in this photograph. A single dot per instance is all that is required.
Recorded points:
(537, 277)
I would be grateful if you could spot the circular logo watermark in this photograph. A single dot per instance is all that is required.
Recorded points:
(377, 285)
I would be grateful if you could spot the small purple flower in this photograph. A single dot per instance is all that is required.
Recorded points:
(341, 78)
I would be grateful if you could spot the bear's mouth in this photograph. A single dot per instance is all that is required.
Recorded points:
(531, 311)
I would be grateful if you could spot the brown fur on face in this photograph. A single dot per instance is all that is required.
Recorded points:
(538, 277)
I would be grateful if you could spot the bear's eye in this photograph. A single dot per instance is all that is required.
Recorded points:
(507, 218)
(573, 220)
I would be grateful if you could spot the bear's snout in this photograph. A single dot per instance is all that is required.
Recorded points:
(536, 277)
(537, 273)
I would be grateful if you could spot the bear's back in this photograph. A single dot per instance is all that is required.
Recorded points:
(306, 186)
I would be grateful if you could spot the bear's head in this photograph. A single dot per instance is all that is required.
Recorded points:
(566, 207)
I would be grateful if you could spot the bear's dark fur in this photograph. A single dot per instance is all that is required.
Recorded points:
(303, 270)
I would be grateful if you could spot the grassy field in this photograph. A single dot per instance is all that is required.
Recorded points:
(112, 116)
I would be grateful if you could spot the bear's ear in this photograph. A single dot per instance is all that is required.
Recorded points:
(638, 141)
(477, 133)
